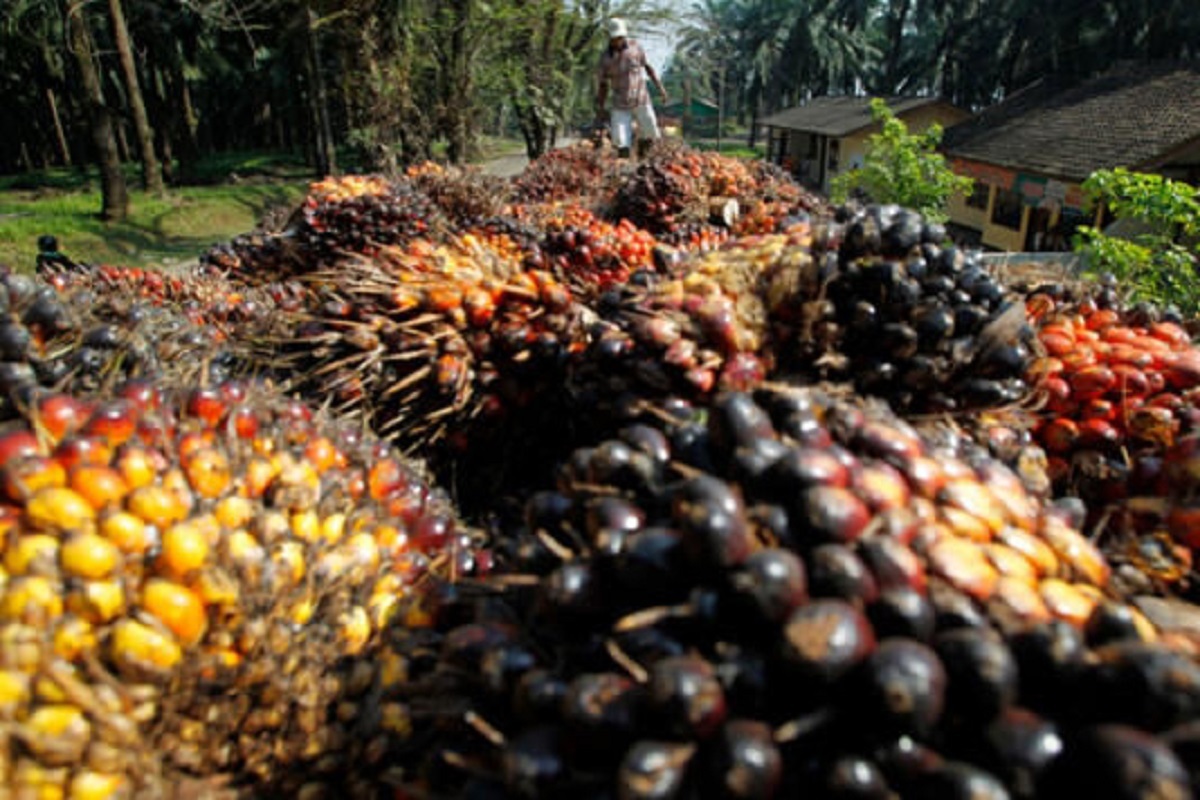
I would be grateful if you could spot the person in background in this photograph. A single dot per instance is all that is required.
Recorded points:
(49, 259)
(622, 73)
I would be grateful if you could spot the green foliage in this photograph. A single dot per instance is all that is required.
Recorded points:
(903, 167)
(156, 233)
(1160, 262)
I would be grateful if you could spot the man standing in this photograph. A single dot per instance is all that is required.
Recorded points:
(623, 69)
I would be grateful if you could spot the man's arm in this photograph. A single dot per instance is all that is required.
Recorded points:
(662, 91)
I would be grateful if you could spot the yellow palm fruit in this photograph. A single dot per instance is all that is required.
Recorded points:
(59, 510)
(354, 629)
(243, 549)
(184, 549)
(89, 556)
(127, 531)
(306, 526)
(98, 602)
(234, 512)
(138, 647)
(156, 505)
(33, 781)
(177, 608)
(333, 528)
(36, 552)
(56, 735)
(20, 647)
(90, 785)
(32, 599)
(14, 693)
(302, 612)
(73, 638)
(289, 558)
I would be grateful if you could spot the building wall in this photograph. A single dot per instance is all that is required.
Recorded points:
(1023, 208)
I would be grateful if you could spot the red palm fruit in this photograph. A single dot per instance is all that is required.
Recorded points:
(1131, 381)
(207, 405)
(1098, 408)
(114, 421)
(1132, 355)
(60, 415)
(1104, 318)
(1060, 435)
(78, 449)
(1098, 434)
(1170, 333)
(833, 514)
(888, 442)
(1094, 381)
(143, 394)
(1182, 370)
(1058, 395)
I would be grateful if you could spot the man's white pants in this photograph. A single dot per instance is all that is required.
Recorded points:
(622, 120)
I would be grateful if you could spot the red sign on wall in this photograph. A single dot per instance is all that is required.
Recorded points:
(985, 173)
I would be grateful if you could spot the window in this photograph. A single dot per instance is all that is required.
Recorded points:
(1007, 210)
(835, 147)
(978, 198)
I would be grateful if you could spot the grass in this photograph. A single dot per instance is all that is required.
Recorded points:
(158, 231)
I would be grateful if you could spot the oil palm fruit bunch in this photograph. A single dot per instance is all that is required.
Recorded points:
(580, 172)
(592, 254)
(696, 325)
(36, 331)
(343, 215)
(94, 332)
(461, 193)
(924, 325)
(678, 187)
(784, 595)
(1117, 383)
(425, 339)
(195, 586)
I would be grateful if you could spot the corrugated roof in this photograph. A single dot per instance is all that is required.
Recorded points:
(1131, 116)
(839, 116)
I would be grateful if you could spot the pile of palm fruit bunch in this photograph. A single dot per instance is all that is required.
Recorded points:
(694, 199)
(576, 172)
(788, 502)
(786, 593)
(196, 585)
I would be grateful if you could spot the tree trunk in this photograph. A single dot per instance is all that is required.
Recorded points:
(152, 180)
(458, 83)
(113, 192)
(325, 155)
(60, 136)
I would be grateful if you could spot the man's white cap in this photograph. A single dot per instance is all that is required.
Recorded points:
(617, 28)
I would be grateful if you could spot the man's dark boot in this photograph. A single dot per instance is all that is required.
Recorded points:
(644, 148)
(622, 152)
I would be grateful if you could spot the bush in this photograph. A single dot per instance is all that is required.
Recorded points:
(903, 168)
(1161, 261)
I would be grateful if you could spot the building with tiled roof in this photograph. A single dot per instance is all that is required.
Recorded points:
(827, 136)
(1030, 153)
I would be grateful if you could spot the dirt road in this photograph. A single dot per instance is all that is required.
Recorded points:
(511, 164)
